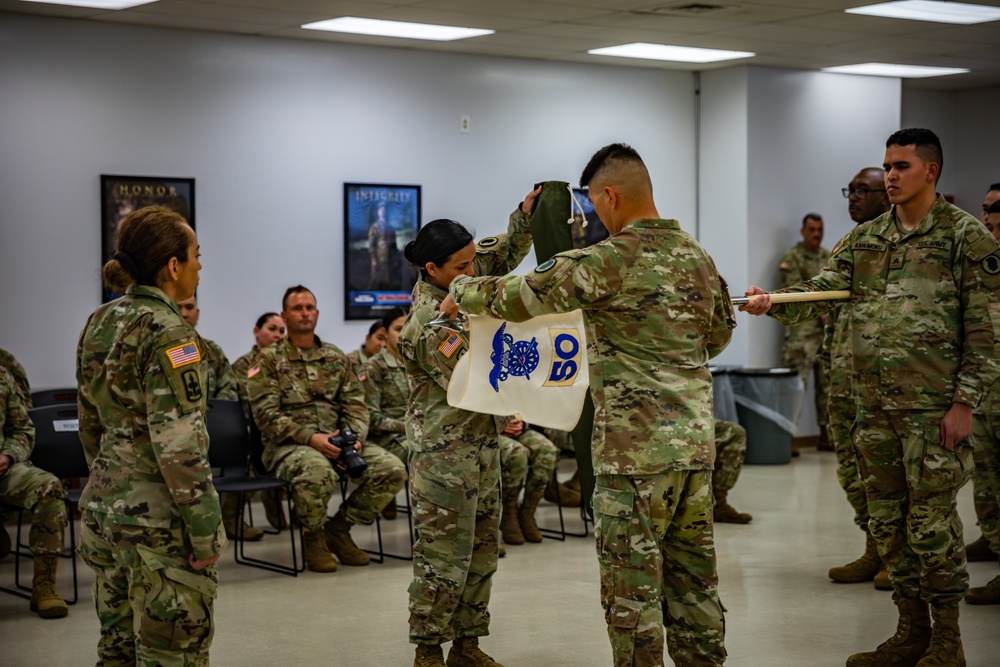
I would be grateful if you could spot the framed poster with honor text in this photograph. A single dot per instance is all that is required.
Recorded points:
(379, 220)
(123, 195)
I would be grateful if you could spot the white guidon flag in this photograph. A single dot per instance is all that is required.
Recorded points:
(536, 370)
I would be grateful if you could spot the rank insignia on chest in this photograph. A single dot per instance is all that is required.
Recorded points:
(253, 371)
(449, 346)
(183, 355)
(511, 357)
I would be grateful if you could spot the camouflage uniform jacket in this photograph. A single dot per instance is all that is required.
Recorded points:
(656, 311)
(16, 371)
(296, 393)
(221, 381)
(431, 423)
(17, 433)
(837, 348)
(141, 404)
(357, 358)
(240, 368)
(387, 393)
(799, 264)
(922, 334)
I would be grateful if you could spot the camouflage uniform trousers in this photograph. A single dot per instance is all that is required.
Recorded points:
(911, 483)
(456, 509)
(398, 446)
(730, 451)
(153, 608)
(803, 355)
(656, 550)
(41, 494)
(986, 476)
(842, 414)
(526, 461)
(313, 481)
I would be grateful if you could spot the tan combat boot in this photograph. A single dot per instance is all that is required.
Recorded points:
(726, 513)
(389, 512)
(45, 601)
(338, 538)
(526, 517)
(573, 482)
(318, 557)
(510, 529)
(230, 515)
(429, 655)
(567, 496)
(271, 499)
(882, 581)
(988, 594)
(979, 551)
(501, 552)
(946, 641)
(465, 652)
(907, 646)
(863, 569)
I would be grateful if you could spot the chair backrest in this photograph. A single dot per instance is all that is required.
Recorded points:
(53, 397)
(257, 451)
(228, 438)
(57, 441)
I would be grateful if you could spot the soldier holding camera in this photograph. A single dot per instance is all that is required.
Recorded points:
(306, 399)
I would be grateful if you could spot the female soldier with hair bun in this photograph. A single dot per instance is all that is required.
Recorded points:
(454, 462)
(151, 517)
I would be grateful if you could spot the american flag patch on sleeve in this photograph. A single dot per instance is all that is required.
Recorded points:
(183, 354)
(449, 346)
(253, 371)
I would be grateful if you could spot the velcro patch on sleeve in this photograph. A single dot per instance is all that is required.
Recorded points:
(448, 347)
(185, 354)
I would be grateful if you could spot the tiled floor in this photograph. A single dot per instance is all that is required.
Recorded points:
(783, 611)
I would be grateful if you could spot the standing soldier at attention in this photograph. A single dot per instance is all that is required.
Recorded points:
(801, 349)
(303, 393)
(922, 277)
(455, 459)
(36, 491)
(656, 311)
(152, 525)
(867, 200)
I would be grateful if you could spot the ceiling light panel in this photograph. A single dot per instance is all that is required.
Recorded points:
(401, 29)
(677, 54)
(901, 71)
(96, 4)
(927, 10)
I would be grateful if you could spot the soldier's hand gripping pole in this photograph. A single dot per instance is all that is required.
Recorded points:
(795, 297)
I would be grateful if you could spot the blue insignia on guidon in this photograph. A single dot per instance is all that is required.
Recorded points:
(510, 357)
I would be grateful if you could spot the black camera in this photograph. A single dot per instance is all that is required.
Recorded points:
(349, 461)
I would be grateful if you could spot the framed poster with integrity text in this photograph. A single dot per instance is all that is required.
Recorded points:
(123, 195)
(379, 220)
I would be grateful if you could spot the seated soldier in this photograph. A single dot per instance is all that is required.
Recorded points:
(220, 382)
(387, 392)
(34, 490)
(528, 460)
(374, 342)
(730, 450)
(303, 393)
(565, 493)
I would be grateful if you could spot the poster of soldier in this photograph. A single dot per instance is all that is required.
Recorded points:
(379, 220)
(122, 195)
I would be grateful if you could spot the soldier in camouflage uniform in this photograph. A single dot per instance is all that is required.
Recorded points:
(387, 392)
(374, 342)
(270, 328)
(38, 492)
(16, 371)
(730, 451)
(867, 201)
(454, 462)
(801, 349)
(923, 277)
(152, 525)
(986, 452)
(220, 382)
(302, 393)
(656, 311)
(986, 476)
(528, 461)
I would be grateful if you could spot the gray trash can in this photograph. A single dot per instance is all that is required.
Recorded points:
(768, 401)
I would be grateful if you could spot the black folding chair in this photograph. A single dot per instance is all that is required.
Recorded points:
(561, 534)
(40, 399)
(58, 451)
(231, 448)
(379, 555)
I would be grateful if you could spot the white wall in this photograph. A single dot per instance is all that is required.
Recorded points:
(935, 111)
(976, 159)
(271, 129)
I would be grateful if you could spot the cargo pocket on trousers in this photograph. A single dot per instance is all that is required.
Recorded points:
(177, 614)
